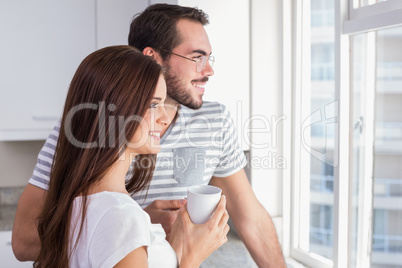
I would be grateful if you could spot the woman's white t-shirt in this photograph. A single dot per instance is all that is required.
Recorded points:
(114, 226)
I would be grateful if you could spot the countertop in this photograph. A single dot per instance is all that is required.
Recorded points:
(232, 254)
(9, 197)
(7, 214)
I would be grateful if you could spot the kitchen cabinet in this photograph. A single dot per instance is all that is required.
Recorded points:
(43, 42)
(114, 18)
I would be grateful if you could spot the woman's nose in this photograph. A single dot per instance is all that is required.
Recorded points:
(163, 118)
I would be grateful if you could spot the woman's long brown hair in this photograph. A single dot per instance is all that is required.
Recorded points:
(110, 86)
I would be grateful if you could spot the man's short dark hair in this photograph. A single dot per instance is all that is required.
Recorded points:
(156, 27)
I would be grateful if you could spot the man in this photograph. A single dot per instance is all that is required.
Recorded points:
(199, 147)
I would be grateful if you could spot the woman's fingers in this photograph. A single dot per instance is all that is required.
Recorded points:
(223, 241)
(185, 217)
(220, 220)
(219, 212)
(226, 229)
(224, 219)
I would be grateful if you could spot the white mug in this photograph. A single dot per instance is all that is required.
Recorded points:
(202, 201)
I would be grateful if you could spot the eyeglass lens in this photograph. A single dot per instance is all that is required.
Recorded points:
(203, 61)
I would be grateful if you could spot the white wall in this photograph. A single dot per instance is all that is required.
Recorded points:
(229, 34)
(267, 162)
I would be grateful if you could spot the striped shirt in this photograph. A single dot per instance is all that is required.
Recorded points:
(200, 144)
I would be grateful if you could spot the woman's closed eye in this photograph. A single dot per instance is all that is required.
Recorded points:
(154, 104)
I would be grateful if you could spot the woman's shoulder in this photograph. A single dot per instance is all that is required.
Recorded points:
(112, 199)
(115, 211)
(111, 208)
(119, 226)
(116, 203)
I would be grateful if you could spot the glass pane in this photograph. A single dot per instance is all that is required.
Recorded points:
(322, 109)
(362, 3)
(387, 224)
(358, 84)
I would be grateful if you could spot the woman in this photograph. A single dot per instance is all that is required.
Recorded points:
(114, 111)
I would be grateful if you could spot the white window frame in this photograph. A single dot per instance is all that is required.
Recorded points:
(373, 17)
(348, 21)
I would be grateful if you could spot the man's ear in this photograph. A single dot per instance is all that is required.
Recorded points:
(149, 51)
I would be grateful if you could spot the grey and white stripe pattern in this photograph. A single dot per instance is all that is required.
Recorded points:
(202, 143)
(41, 173)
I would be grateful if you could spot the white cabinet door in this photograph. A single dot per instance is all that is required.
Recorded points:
(229, 33)
(114, 18)
(6, 253)
(42, 44)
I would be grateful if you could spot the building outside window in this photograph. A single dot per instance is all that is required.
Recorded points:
(347, 207)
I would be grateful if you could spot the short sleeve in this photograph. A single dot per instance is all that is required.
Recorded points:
(41, 174)
(232, 158)
(121, 230)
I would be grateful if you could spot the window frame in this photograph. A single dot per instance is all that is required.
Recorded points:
(373, 17)
(348, 21)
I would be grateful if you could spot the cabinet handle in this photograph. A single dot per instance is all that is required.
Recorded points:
(45, 118)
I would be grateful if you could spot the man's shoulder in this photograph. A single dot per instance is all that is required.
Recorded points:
(208, 108)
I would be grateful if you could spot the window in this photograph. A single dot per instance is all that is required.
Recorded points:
(316, 126)
(362, 3)
(382, 71)
(346, 101)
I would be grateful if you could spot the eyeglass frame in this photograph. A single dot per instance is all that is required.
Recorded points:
(210, 59)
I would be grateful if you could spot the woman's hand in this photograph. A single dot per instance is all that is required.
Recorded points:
(199, 241)
(175, 237)
(165, 212)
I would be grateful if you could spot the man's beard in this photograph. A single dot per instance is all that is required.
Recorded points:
(176, 89)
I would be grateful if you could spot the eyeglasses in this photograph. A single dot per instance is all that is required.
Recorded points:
(200, 61)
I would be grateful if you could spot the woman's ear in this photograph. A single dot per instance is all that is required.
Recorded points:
(149, 51)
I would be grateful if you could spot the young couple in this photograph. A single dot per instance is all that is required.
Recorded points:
(88, 199)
